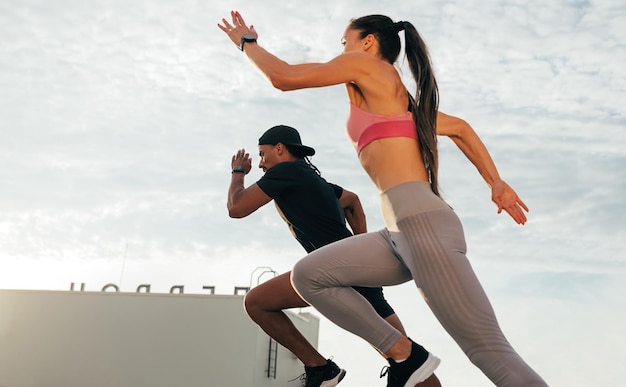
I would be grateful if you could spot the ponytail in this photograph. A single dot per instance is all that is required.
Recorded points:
(425, 108)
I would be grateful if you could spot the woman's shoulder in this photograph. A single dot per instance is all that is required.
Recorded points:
(359, 58)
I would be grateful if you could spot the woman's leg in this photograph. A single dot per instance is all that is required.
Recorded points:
(324, 278)
(432, 246)
(395, 322)
(265, 303)
(376, 297)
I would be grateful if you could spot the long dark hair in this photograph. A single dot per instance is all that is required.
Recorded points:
(426, 101)
(297, 151)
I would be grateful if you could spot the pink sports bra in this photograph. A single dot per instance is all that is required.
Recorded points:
(363, 127)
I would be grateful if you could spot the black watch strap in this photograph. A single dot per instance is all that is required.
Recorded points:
(246, 38)
(239, 169)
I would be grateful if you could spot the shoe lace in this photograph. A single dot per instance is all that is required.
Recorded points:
(385, 372)
(301, 378)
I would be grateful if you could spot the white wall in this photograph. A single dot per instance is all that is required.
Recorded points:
(98, 339)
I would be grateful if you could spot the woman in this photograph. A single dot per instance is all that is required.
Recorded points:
(423, 239)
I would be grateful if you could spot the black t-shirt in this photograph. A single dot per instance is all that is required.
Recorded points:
(307, 202)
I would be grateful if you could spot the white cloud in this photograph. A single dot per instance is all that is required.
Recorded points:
(119, 120)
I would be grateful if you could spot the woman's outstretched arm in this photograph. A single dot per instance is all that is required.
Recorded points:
(342, 69)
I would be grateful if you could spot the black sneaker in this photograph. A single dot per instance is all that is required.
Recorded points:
(328, 375)
(417, 368)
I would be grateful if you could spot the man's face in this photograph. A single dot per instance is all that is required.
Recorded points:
(269, 156)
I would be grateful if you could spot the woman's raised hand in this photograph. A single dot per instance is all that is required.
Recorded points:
(237, 29)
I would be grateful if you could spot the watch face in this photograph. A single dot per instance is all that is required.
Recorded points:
(246, 38)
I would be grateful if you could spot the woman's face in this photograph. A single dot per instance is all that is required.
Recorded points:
(351, 40)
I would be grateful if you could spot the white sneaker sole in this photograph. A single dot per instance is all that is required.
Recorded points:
(334, 381)
(424, 372)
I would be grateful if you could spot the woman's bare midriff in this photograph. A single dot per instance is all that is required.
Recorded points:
(392, 161)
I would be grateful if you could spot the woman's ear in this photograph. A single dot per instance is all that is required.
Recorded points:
(368, 41)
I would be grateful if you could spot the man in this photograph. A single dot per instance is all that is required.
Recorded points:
(316, 212)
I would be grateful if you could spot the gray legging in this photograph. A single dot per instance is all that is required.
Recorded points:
(423, 241)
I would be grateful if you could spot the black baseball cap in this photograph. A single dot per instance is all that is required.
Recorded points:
(286, 135)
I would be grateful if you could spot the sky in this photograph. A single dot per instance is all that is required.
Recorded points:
(118, 121)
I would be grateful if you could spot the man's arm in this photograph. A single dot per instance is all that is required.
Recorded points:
(353, 209)
(242, 201)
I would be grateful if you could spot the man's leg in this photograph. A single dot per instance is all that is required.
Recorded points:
(265, 303)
